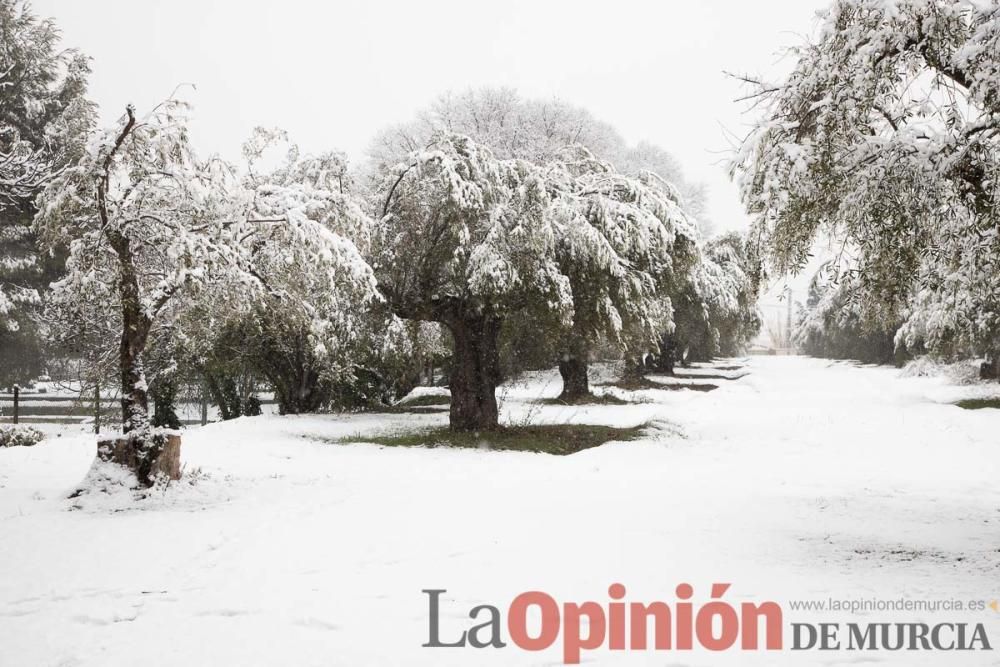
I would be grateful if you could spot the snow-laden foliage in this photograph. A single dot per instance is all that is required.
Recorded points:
(23, 169)
(309, 261)
(43, 117)
(144, 219)
(534, 130)
(465, 240)
(304, 329)
(831, 324)
(714, 302)
(463, 231)
(887, 135)
(617, 238)
(731, 285)
(955, 311)
(19, 435)
(151, 228)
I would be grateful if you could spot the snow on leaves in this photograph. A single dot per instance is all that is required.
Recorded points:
(460, 225)
(617, 239)
(148, 225)
(887, 135)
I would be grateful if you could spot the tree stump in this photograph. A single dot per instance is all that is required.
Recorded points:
(150, 457)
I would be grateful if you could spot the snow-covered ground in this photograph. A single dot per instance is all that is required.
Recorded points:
(805, 479)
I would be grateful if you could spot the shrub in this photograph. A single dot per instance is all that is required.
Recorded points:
(15, 435)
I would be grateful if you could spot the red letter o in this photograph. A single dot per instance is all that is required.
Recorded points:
(517, 621)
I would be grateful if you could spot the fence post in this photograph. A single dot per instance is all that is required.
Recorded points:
(97, 407)
(204, 405)
(17, 394)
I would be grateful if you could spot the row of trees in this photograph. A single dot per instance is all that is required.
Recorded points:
(831, 324)
(886, 138)
(489, 233)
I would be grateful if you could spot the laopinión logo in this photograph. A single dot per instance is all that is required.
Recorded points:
(716, 625)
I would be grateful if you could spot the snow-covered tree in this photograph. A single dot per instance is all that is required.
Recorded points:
(617, 242)
(151, 226)
(23, 169)
(955, 311)
(306, 329)
(144, 219)
(830, 324)
(886, 135)
(464, 240)
(714, 303)
(732, 286)
(600, 186)
(534, 130)
(690, 334)
(43, 120)
(317, 339)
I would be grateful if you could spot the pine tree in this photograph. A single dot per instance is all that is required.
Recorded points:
(44, 118)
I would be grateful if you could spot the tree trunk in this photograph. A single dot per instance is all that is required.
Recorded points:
(204, 404)
(301, 391)
(135, 393)
(151, 457)
(635, 366)
(164, 395)
(97, 407)
(475, 372)
(224, 394)
(666, 359)
(573, 369)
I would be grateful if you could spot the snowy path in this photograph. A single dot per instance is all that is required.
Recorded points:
(802, 480)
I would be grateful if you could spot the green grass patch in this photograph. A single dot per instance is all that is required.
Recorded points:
(419, 405)
(979, 403)
(589, 399)
(635, 384)
(424, 401)
(707, 376)
(558, 439)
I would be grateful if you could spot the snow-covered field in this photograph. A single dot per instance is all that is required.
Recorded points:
(805, 479)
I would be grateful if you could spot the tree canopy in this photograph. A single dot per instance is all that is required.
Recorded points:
(886, 136)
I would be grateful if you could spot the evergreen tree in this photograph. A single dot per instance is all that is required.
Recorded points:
(44, 119)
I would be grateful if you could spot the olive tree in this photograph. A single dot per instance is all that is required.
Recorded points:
(617, 241)
(886, 136)
(464, 240)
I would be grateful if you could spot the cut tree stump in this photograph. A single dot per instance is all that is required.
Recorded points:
(159, 457)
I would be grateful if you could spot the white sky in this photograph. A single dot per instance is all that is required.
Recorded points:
(332, 73)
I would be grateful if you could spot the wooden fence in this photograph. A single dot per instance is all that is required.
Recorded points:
(26, 407)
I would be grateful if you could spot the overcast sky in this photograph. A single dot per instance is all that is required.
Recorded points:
(332, 73)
